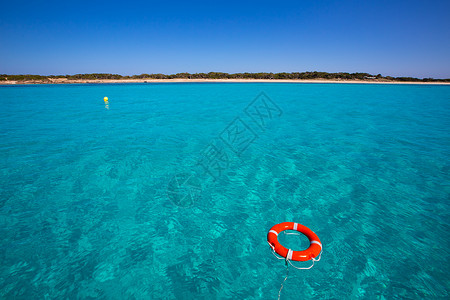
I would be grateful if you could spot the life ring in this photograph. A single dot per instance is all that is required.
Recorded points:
(315, 246)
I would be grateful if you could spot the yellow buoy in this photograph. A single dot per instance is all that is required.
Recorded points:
(105, 99)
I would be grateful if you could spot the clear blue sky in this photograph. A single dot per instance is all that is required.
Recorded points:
(399, 38)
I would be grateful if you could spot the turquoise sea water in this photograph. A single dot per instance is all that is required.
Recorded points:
(115, 203)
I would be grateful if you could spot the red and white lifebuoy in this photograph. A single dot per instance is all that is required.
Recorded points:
(315, 246)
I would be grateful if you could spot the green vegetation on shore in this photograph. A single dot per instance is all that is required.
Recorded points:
(220, 75)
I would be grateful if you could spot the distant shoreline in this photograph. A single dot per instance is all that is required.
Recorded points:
(100, 81)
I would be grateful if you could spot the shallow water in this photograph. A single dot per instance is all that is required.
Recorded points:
(169, 192)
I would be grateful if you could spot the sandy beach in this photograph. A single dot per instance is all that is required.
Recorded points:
(79, 81)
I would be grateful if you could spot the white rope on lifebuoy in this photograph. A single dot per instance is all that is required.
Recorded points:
(277, 248)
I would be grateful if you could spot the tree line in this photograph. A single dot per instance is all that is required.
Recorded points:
(221, 75)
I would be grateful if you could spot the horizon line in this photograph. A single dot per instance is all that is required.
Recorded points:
(236, 73)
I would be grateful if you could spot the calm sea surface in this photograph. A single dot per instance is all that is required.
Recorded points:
(169, 190)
